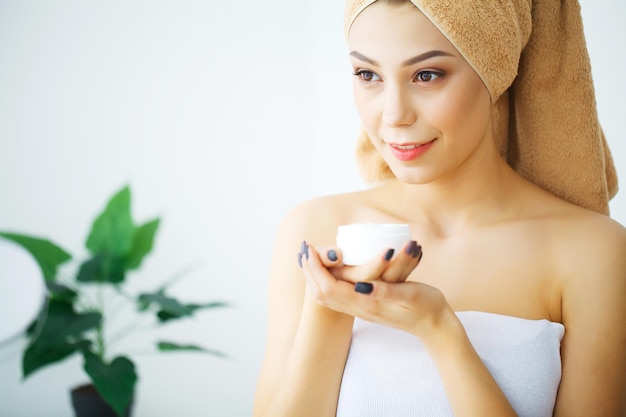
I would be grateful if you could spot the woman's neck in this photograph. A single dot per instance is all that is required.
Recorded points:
(480, 194)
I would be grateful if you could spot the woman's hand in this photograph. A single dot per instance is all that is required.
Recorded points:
(377, 291)
(385, 267)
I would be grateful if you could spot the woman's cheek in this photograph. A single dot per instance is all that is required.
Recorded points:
(366, 107)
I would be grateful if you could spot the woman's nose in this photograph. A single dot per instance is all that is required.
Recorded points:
(397, 108)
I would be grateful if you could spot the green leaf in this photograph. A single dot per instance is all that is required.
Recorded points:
(115, 381)
(113, 230)
(142, 243)
(48, 255)
(170, 308)
(102, 268)
(188, 310)
(61, 292)
(173, 347)
(37, 355)
(62, 322)
(163, 301)
(57, 334)
(142, 303)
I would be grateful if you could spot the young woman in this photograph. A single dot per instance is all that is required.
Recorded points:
(509, 300)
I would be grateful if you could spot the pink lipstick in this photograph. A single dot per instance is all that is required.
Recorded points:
(409, 152)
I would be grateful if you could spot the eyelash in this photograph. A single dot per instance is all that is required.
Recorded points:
(437, 74)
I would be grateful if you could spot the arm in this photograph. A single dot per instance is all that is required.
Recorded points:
(307, 344)
(308, 338)
(594, 314)
(423, 311)
(470, 387)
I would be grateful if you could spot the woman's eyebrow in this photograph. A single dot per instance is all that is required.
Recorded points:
(411, 61)
(425, 56)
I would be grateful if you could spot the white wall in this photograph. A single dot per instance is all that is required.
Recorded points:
(221, 116)
(605, 31)
(200, 107)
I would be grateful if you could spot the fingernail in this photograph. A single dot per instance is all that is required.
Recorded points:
(364, 287)
(410, 249)
(300, 259)
(417, 252)
(389, 254)
(332, 255)
(419, 256)
(305, 249)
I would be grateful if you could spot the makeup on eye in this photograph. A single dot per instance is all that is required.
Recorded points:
(422, 76)
(427, 76)
(367, 76)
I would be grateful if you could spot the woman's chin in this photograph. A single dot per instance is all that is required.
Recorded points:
(411, 175)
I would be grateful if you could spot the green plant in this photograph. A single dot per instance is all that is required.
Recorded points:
(72, 319)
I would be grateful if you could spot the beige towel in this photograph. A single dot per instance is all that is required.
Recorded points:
(532, 56)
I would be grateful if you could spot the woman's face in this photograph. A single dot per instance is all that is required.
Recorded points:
(423, 106)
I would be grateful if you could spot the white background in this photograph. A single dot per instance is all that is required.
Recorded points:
(221, 116)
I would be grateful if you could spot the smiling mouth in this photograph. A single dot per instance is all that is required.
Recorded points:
(404, 147)
(409, 151)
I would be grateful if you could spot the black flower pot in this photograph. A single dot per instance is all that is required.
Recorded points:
(88, 403)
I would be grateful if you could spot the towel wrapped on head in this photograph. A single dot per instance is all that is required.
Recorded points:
(532, 57)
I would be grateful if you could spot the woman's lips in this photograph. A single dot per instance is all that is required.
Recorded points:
(409, 151)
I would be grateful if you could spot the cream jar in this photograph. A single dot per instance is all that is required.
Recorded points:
(361, 242)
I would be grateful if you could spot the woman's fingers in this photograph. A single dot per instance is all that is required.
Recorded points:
(387, 266)
(370, 271)
(330, 256)
(404, 263)
(325, 288)
(390, 266)
(409, 306)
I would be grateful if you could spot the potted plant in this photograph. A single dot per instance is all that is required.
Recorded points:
(73, 320)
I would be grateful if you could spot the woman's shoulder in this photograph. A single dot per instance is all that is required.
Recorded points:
(575, 244)
(603, 240)
(592, 232)
(589, 255)
(568, 225)
(316, 220)
(575, 231)
(592, 276)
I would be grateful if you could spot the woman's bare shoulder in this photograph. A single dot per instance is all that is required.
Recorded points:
(588, 253)
(578, 247)
(592, 274)
(316, 220)
(592, 233)
(568, 225)
(582, 240)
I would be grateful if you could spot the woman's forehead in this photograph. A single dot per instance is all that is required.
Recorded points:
(399, 31)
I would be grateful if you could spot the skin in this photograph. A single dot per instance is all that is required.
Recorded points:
(516, 249)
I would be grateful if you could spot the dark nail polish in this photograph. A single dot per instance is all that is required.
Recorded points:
(305, 249)
(300, 259)
(417, 252)
(389, 254)
(332, 255)
(364, 287)
(410, 249)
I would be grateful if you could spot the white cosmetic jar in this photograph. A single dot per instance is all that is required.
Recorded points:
(361, 242)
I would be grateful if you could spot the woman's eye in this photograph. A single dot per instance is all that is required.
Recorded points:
(427, 76)
(367, 76)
